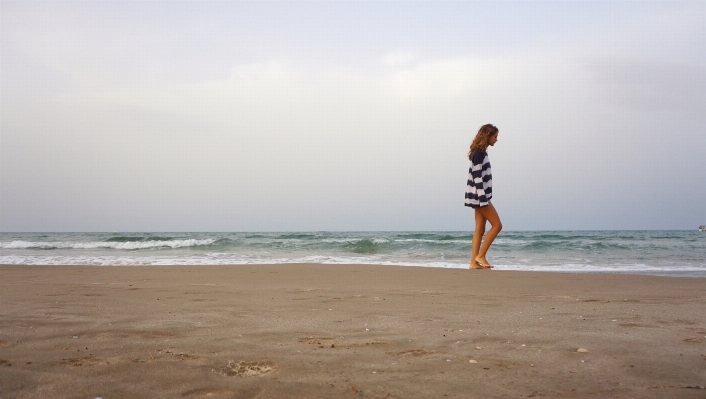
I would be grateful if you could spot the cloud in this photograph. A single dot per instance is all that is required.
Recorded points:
(126, 127)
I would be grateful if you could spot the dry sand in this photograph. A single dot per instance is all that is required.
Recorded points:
(347, 331)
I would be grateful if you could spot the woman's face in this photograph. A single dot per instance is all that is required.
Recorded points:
(493, 139)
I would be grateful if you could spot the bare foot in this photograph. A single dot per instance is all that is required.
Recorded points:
(483, 263)
(475, 265)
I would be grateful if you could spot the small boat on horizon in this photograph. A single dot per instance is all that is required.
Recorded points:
(702, 228)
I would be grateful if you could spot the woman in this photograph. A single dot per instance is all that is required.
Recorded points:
(479, 191)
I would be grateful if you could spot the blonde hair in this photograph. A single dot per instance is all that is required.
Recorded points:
(481, 141)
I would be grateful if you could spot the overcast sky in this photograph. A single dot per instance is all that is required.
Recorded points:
(266, 116)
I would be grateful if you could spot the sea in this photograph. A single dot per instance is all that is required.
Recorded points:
(654, 252)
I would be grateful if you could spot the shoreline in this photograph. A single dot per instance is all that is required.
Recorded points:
(570, 272)
(317, 330)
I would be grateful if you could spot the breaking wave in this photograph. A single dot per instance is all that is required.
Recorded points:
(125, 244)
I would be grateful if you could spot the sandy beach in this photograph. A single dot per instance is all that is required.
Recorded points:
(337, 331)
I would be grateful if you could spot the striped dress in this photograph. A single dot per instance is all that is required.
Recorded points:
(479, 188)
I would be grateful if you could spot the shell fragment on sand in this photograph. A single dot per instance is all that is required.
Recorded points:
(582, 350)
(472, 361)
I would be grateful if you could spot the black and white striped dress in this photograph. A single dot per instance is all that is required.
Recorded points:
(479, 188)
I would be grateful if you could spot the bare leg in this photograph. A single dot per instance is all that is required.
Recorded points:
(491, 215)
(477, 238)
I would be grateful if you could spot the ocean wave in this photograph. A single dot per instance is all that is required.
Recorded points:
(138, 238)
(351, 240)
(430, 236)
(448, 237)
(585, 246)
(365, 246)
(436, 242)
(295, 235)
(589, 252)
(553, 236)
(434, 237)
(130, 245)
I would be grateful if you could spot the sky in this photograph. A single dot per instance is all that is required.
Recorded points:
(350, 116)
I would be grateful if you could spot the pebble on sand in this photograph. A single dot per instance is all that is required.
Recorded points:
(582, 350)
(472, 361)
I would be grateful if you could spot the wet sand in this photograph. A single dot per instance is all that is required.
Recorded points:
(347, 331)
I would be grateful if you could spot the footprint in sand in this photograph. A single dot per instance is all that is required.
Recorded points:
(80, 361)
(413, 352)
(216, 392)
(316, 340)
(247, 369)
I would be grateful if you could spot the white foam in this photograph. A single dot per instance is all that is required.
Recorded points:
(236, 259)
(207, 259)
(354, 240)
(104, 244)
(636, 268)
(462, 242)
